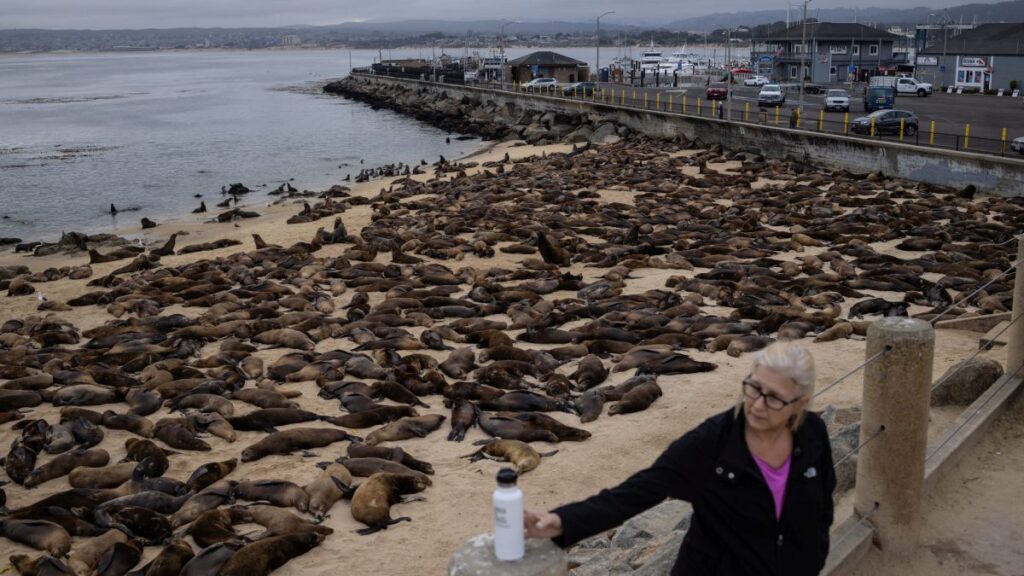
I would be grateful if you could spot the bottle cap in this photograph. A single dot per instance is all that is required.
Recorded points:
(507, 476)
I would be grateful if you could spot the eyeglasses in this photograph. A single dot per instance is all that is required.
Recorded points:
(754, 392)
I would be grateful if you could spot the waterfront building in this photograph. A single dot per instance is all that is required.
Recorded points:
(834, 52)
(987, 57)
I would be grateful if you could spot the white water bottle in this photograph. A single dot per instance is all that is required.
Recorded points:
(508, 517)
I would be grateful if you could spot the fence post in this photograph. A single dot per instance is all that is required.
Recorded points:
(846, 122)
(890, 468)
(821, 120)
(902, 126)
(777, 108)
(967, 135)
(714, 108)
(1015, 336)
(746, 111)
(1002, 145)
(684, 103)
(634, 97)
(931, 136)
(476, 558)
(669, 102)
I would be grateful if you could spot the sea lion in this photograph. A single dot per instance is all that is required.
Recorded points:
(525, 401)
(74, 525)
(289, 441)
(519, 453)
(136, 522)
(150, 500)
(219, 493)
(41, 566)
(263, 557)
(262, 398)
(65, 463)
(747, 343)
(209, 560)
(139, 425)
(551, 252)
(119, 558)
(87, 554)
(203, 403)
(209, 473)
(398, 393)
(837, 331)
(176, 433)
(331, 485)
(589, 373)
(213, 527)
(285, 338)
(20, 461)
(637, 399)
(406, 428)
(459, 363)
(13, 399)
(373, 417)
(396, 454)
(463, 418)
(268, 419)
(590, 404)
(38, 534)
(372, 501)
(139, 449)
(368, 466)
(541, 421)
(277, 521)
(105, 477)
(277, 492)
(170, 561)
(649, 360)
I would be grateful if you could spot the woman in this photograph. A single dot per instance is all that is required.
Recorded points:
(759, 476)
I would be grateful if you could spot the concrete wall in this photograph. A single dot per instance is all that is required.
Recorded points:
(991, 174)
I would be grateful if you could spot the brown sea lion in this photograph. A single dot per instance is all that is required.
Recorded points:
(277, 521)
(135, 424)
(65, 463)
(177, 433)
(277, 492)
(170, 561)
(406, 428)
(209, 560)
(41, 566)
(333, 484)
(519, 453)
(213, 527)
(747, 343)
(285, 338)
(589, 373)
(208, 499)
(372, 501)
(152, 527)
(150, 500)
(373, 417)
(459, 363)
(119, 558)
(262, 398)
(463, 418)
(209, 473)
(637, 399)
(590, 404)
(20, 461)
(506, 427)
(837, 331)
(263, 557)
(268, 419)
(289, 441)
(368, 466)
(38, 534)
(105, 477)
(203, 403)
(525, 401)
(396, 454)
(543, 421)
(87, 554)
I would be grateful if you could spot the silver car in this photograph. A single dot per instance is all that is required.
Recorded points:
(1017, 145)
(837, 100)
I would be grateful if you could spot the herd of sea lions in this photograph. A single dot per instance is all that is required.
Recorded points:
(411, 326)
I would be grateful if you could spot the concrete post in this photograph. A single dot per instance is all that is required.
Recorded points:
(894, 431)
(476, 558)
(1015, 335)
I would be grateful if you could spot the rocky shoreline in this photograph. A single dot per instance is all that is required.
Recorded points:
(481, 117)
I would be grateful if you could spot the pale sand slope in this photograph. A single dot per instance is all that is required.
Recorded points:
(458, 505)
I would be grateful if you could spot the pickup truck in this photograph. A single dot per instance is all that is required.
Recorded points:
(902, 85)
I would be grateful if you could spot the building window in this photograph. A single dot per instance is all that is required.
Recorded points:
(856, 49)
(838, 48)
(798, 48)
(792, 71)
(832, 71)
(873, 50)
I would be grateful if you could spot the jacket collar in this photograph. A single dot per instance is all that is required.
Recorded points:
(736, 455)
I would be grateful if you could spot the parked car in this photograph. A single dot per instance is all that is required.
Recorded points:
(756, 81)
(538, 84)
(1017, 145)
(837, 100)
(717, 91)
(902, 84)
(580, 89)
(771, 95)
(886, 122)
(879, 98)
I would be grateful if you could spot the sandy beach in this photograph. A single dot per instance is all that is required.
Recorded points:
(457, 506)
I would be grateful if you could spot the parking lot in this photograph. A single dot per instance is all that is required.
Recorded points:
(987, 116)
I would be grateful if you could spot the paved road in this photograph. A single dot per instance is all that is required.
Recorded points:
(987, 115)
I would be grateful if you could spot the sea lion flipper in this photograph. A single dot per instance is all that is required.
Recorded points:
(547, 454)
(270, 429)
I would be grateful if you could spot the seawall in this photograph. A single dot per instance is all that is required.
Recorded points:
(499, 114)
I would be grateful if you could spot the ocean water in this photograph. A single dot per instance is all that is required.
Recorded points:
(150, 130)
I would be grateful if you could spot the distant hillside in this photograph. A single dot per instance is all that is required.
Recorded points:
(1000, 12)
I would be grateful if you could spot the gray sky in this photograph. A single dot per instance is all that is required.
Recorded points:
(108, 14)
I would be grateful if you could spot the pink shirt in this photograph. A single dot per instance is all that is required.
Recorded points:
(776, 479)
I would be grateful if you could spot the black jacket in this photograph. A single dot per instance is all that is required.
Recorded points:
(733, 530)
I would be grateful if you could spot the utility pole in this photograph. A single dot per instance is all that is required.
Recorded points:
(503, 50)
(803, 59)
(599, 43)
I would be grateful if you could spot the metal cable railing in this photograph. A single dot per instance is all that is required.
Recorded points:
(853, 371)
(973, 355)
(853, 452)
(1012, 268)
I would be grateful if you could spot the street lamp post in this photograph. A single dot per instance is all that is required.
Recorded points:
(803, 59)
(728, 71)
(503, 51)
(598, 65)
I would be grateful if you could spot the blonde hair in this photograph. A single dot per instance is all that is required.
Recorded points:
(794, 361)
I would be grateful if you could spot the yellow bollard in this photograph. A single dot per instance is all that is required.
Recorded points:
(713, 108)
(634, 97)
(967, 135)
(746, 111)
(657, 101)
(903, 122)
(698, 106)
(931, 136)
(872, 126)
(1002, 147)
(777, 108)
(846, 122)
(821, 120)
(645, 100)
(669, 102)
(799, 117)
(622, 97)
(684, 103)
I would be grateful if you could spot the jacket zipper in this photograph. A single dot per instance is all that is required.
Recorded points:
(778, 555)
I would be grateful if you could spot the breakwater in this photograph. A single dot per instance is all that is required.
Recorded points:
(499, 114)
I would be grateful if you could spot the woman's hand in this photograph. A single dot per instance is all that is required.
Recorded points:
(543, 525)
